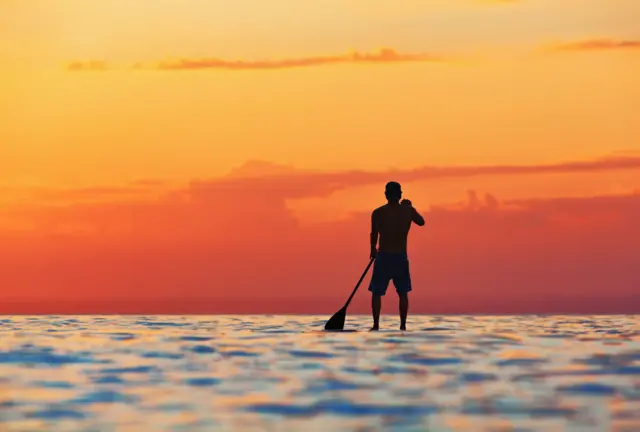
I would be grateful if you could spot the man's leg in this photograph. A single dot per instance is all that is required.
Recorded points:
(402, 281)
(378, 287)
(376, 303)
(404, 309)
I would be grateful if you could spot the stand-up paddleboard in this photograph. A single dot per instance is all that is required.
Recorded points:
(362, 331)
(341, 331)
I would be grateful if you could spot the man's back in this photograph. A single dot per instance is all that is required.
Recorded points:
(393, 222)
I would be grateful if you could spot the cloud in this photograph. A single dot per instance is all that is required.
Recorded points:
(294, 183)
(233, 244)
(90, 65)
(270, 181)
(385, 55)
(598, 45)
(216, 255)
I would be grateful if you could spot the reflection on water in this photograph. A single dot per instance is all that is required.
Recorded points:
(273, 373)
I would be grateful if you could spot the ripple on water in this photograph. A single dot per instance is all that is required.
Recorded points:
(195, 338)
(52, 413)
(240, 353)
(589, 389)
(474, 377)
(426, 361)
(161, 324)
(202, 382)
(181, 372)
(53, 384)
(331, 384)
(342, 407)
(510, 407)
(131, 370)
(44, 357)
(161, 355)
(618, 359)
(104, 397)
(108, 379)
(201, 349)
(310, 354)
(520, 362)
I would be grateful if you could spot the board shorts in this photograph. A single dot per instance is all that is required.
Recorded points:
(388, 267)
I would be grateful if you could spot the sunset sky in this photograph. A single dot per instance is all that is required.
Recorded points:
(224, 156)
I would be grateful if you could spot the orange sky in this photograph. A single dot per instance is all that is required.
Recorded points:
(129, 133)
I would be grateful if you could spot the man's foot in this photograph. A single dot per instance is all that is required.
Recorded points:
(374, 328)
(403, 328)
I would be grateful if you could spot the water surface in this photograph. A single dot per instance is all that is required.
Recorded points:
(283, 373)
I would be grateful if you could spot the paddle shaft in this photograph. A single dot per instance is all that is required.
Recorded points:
(359, 282)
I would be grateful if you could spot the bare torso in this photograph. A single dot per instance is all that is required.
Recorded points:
(392, 223)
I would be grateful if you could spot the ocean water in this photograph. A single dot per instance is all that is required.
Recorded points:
(284, 373)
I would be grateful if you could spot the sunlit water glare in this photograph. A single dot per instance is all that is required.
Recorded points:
(283, 373)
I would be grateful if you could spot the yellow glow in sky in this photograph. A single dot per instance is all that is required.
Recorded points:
(496, 98)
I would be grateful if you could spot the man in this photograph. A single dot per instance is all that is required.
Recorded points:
(391, 222)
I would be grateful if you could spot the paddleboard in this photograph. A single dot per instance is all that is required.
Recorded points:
(367, 331)
(339, 331)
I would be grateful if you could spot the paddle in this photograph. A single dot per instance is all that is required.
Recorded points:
(336, 322)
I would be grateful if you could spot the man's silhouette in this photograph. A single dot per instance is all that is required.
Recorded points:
(391, 223)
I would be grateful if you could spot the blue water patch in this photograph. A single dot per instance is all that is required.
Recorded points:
(282, 409)
(108, 379)
(8, 404)
(310, 354)
(53, 384)
(131, 370)
(44, 357)
(589, 389)
(396, 340)
(161, 324)
(513, 408)
(397, 370)
(626, 370)
(477, 377)
(202, 382)
(171, 407)
(240, 353)
(621, 359)
(195, 338)
(342, 407)
(161, 355)
(104, 397)
(309, 366)
(123, 336)
(554, 335)
(51, 414)
(201, 349)
(426, 361)
(320, 386)
(520, 362)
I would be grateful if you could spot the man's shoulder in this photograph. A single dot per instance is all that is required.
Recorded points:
(378, 210)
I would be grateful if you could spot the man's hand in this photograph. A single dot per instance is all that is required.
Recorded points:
(406, 202)
(373, 253)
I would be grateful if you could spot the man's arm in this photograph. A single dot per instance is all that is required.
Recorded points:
(416, 217)
(374, 234)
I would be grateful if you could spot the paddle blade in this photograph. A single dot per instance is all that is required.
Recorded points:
(336, 322)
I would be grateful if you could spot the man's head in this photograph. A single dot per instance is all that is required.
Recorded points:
(393, 191)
